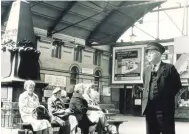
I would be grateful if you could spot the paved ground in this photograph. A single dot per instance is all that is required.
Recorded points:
(136, 125)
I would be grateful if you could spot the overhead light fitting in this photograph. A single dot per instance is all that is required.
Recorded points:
(132, 36)
(141, 21)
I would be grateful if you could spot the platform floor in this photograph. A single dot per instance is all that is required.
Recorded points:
(134, 125)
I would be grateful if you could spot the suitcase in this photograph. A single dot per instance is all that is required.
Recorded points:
(24, 131)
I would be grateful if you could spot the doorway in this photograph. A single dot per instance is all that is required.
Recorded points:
(126, 101)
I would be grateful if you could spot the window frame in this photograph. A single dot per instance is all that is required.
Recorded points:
(78, 54)
(97, 58)
(56, 51)
(97, 78)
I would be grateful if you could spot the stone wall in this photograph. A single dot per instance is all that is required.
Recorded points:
(62, 67)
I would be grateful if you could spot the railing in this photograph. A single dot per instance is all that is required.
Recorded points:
(10, 118)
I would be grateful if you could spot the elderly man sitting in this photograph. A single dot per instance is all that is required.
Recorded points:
(60, 114)
(64, 97)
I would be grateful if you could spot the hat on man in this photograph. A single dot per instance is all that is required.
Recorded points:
(57, 89)
(155, 46)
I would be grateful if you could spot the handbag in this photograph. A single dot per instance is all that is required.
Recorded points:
(42, 113)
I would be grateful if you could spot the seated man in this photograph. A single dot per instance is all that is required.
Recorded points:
(64, 97)
(60, 114)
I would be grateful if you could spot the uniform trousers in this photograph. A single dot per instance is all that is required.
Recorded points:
(157, 120)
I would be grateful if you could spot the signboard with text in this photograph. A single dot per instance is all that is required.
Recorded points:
(106, 91)
(87, 70)
(127, 64)
(55, 80)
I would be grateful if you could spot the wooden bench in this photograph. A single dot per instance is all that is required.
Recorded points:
(92, 129)
(28, 125)
(109, 115)
(110, 107)
(116, 122)
(53, 124)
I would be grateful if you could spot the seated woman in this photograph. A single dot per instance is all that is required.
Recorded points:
(95, 94)
(60, 114)
(28, 102)
(80, 106)
(94, 113)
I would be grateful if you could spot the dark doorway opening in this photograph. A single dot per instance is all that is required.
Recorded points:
(126, 101)
(122, 101)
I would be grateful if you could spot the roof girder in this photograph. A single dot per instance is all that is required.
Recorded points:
(59, 18)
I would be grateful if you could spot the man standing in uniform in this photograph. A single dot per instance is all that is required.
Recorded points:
(161, 84)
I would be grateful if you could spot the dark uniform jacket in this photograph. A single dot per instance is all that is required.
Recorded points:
(168, 84)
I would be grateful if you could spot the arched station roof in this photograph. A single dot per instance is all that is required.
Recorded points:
(93, 21)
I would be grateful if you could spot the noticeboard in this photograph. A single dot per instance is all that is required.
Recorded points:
(138, 102)
(54, 80)
(127, 64)
(106, 90)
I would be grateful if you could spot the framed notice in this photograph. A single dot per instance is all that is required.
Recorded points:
(54, 80)
(48, 93)
(138, 102)
(87, 70)
(106, 91)
(4, 93)
(127, 64)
